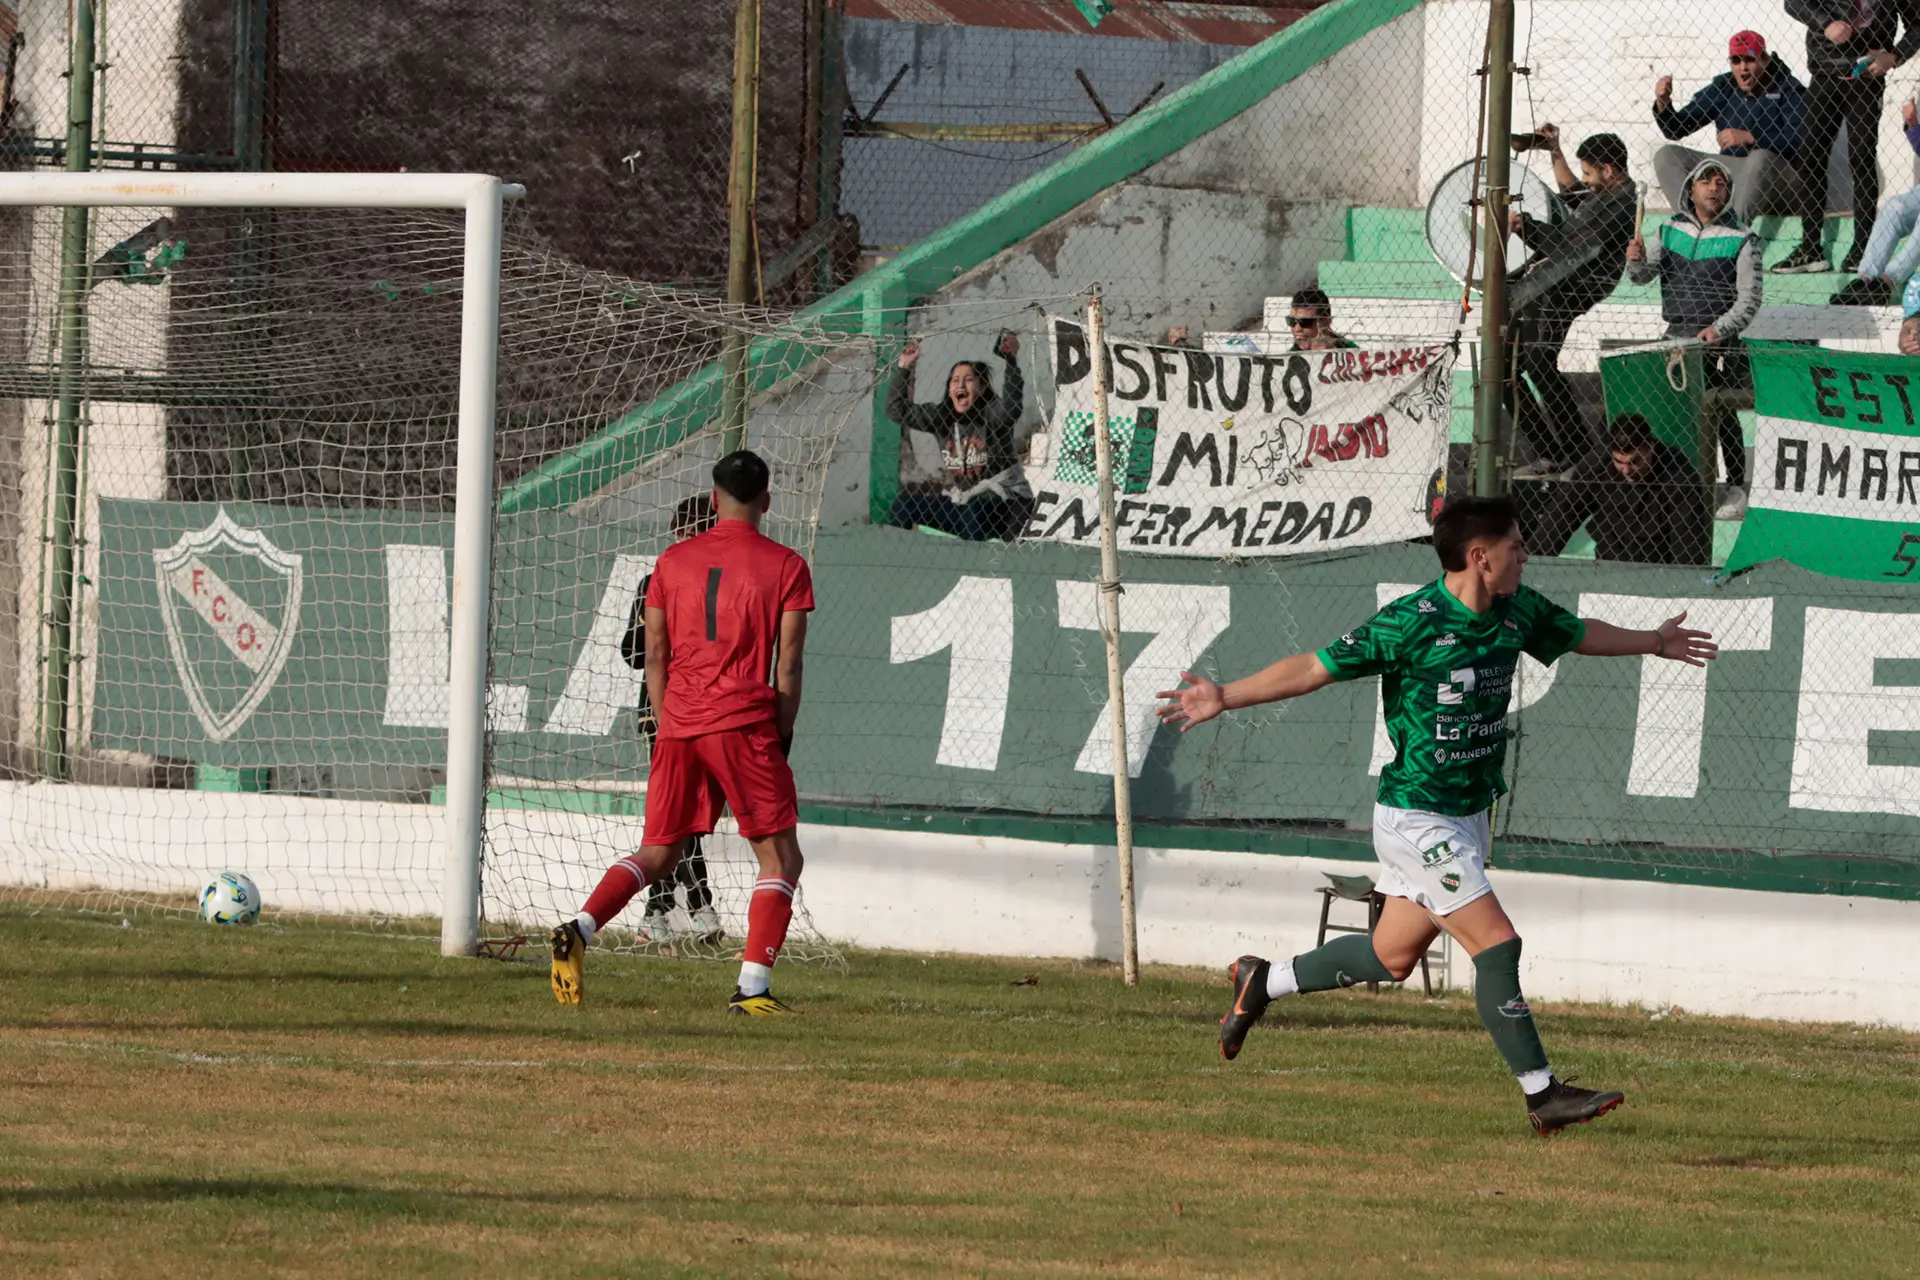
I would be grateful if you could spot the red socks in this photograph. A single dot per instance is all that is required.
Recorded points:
(616, 889)
(769, 913)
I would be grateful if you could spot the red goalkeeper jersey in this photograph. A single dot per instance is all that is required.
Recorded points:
(723, 593)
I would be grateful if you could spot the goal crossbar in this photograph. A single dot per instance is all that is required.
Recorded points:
(480, 196)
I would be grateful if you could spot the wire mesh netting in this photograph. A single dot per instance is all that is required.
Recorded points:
(1282, 206)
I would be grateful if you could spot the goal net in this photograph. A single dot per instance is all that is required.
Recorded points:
(229, 451)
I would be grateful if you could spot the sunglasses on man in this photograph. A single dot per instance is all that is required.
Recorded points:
(1305, 322)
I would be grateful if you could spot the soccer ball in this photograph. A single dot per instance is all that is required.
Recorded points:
(231, 899)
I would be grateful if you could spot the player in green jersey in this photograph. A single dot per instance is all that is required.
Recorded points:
(1445, 656)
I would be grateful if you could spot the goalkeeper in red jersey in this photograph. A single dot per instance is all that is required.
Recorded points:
(722, 611)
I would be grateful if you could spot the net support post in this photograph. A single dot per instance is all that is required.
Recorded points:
(1489, 403)
(472, 573)
(1110, 635)
(61, 519)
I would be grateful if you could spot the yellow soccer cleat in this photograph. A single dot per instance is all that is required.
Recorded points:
(569, 962)
(761, 1006)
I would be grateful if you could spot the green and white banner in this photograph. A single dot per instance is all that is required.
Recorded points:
(1247, 455)
(1836, 465)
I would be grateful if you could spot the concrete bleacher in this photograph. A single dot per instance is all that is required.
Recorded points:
(1388, 286)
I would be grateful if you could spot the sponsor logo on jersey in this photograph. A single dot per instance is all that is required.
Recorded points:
(1348, 638)
(1427, 606)
(1439, 855)
(1511, 624)
(1446, 640)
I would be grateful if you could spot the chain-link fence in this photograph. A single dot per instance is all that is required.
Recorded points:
(1282, 206)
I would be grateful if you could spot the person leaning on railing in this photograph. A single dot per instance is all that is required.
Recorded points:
(982, 490)
(1639, 498)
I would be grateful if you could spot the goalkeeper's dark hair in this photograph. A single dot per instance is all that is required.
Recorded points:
(742, 475)
(1465, 519)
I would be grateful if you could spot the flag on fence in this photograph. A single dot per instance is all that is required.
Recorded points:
(1836, 463)
(1093, 10)
(1245, 454)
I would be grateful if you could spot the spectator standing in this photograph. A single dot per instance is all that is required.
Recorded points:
(691, 517)
(1756, 108)
(982, 491)
(1708, 265)
(1851, 46)
(1574, 265)
(1640, 500)
(1310, 320)
(1881, 269)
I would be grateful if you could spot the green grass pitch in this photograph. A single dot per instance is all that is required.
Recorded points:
(180, 1100)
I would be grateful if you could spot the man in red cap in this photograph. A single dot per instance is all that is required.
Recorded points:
(1756, 108)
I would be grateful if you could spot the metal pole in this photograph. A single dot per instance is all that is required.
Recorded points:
(249, 83)
(1489, 436)
(1110, 633)
(64, 460)
(833, 110)
(740, 236)
(472, 575)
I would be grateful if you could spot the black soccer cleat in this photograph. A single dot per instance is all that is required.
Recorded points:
(1250, 1000)
(1560, 1104)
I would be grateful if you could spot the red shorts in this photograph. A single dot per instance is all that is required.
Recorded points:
(690, 778)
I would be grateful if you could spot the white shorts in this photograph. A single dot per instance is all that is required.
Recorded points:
(1433, 859)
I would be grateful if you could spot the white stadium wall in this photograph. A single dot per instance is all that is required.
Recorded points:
(1712, 951)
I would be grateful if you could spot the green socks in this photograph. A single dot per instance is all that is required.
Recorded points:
(1344, 962)
(1503, 1010)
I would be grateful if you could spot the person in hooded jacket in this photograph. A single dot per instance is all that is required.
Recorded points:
(982, 491)
(1708, 264)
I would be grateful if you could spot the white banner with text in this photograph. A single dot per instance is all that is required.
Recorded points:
(1220, 454)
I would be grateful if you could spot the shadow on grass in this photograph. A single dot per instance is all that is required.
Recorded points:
(414, 1202)
(275, 1193)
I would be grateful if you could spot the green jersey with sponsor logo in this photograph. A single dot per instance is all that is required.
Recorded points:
(1446, 676)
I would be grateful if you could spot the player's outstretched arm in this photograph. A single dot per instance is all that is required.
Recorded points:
(1199, 699)
(1670, 640)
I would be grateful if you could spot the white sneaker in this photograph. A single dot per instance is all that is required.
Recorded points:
(655, 927)
(1732, 503)
(706, 925)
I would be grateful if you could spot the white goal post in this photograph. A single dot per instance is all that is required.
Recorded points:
(480, 197)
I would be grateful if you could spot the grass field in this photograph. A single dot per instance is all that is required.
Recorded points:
(181, 1100)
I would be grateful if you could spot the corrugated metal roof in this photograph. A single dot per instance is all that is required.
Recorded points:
(1173, 21)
